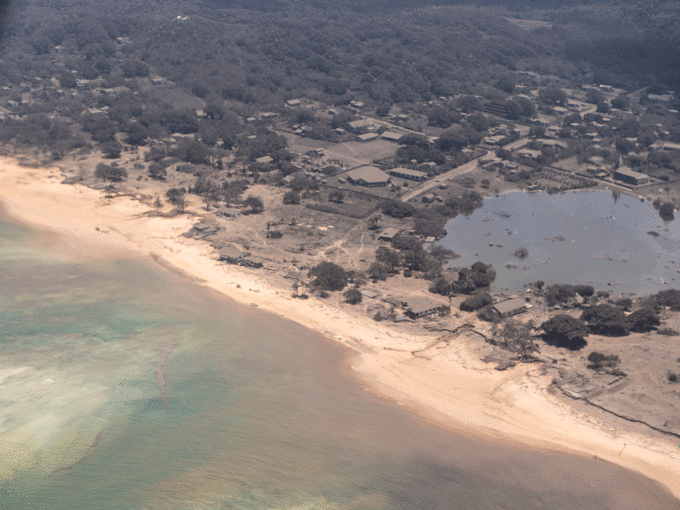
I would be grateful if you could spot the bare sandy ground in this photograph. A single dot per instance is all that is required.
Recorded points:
(451, 388)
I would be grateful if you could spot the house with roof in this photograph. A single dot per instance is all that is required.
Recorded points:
(406, 173)
(264, 160)
(227, 212)
(368, 176)
(367, 137)
(388, 234)
(232, 255)
(392, 136)
(254, 262)
(293, 102)
(630, 176)
(421, 307)
(428, 199)
(363, 126)
(511, 307)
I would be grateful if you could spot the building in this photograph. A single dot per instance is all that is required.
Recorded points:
(392, 136)
(293, 102)
(428, 199)
(629, 176)
(510, 307)
(388, 234)
(405, 173)
(264, 160)
(421, 307)
(255, 262)
(232, 255)
(227, 212)
(368, 176)
(367, 137)
(363, 125)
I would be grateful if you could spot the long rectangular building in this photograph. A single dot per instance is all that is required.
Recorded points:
(406, 173)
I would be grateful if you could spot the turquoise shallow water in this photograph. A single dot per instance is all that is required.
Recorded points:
(258, 412)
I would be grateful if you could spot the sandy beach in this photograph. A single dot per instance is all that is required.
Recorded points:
(451, 387)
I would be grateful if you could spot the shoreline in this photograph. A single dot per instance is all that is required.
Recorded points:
(454, 390)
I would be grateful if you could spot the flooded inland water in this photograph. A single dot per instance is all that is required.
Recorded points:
(589, 237)
(124, 386)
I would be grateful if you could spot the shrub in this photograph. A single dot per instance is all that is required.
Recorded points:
(673, 377)
(353, 296)
(291, 198)
(558, 293)
(476, 302)
(112, 172)
(584, 290)
(624, 303)
(599, 360)
(668, 332)
(521, 253)
(488, 314)
(669, 298)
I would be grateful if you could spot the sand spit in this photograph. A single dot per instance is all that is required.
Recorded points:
(451, 386)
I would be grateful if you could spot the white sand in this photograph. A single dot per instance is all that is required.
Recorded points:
(453, 388)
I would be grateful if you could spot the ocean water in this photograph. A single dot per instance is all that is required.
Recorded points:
(130, 387)
(589, 237)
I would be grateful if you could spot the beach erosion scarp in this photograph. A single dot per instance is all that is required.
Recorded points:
(451, 388)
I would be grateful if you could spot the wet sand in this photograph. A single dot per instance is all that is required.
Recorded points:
(453, 389)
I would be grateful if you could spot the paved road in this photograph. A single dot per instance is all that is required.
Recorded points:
(433, 183)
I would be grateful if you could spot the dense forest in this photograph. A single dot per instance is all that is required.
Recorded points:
(236, 61)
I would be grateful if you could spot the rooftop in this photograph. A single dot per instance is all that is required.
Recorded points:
(368, 174)
(510, 305)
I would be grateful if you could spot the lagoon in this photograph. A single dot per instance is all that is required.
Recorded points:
(588, 237)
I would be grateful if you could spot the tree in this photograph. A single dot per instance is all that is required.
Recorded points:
(110, 191)
(643, 320)
(328, 276)
(516, 336)
(156, 171)
(562, 330)
(336, 196)
(112, 149)
(158, 204)
(377, 271)
(353, 296)
(622, 102)
(602, 107)
(594, 96)
(667, 209)
(292, 197)
(255, 203)
(136, 134)
(606, 320)
(552, 96)
(506, 83)
(388, 257)
(177, 197)
(210, 196)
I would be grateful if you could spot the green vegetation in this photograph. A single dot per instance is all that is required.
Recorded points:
(328, 276)
(562, 330)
